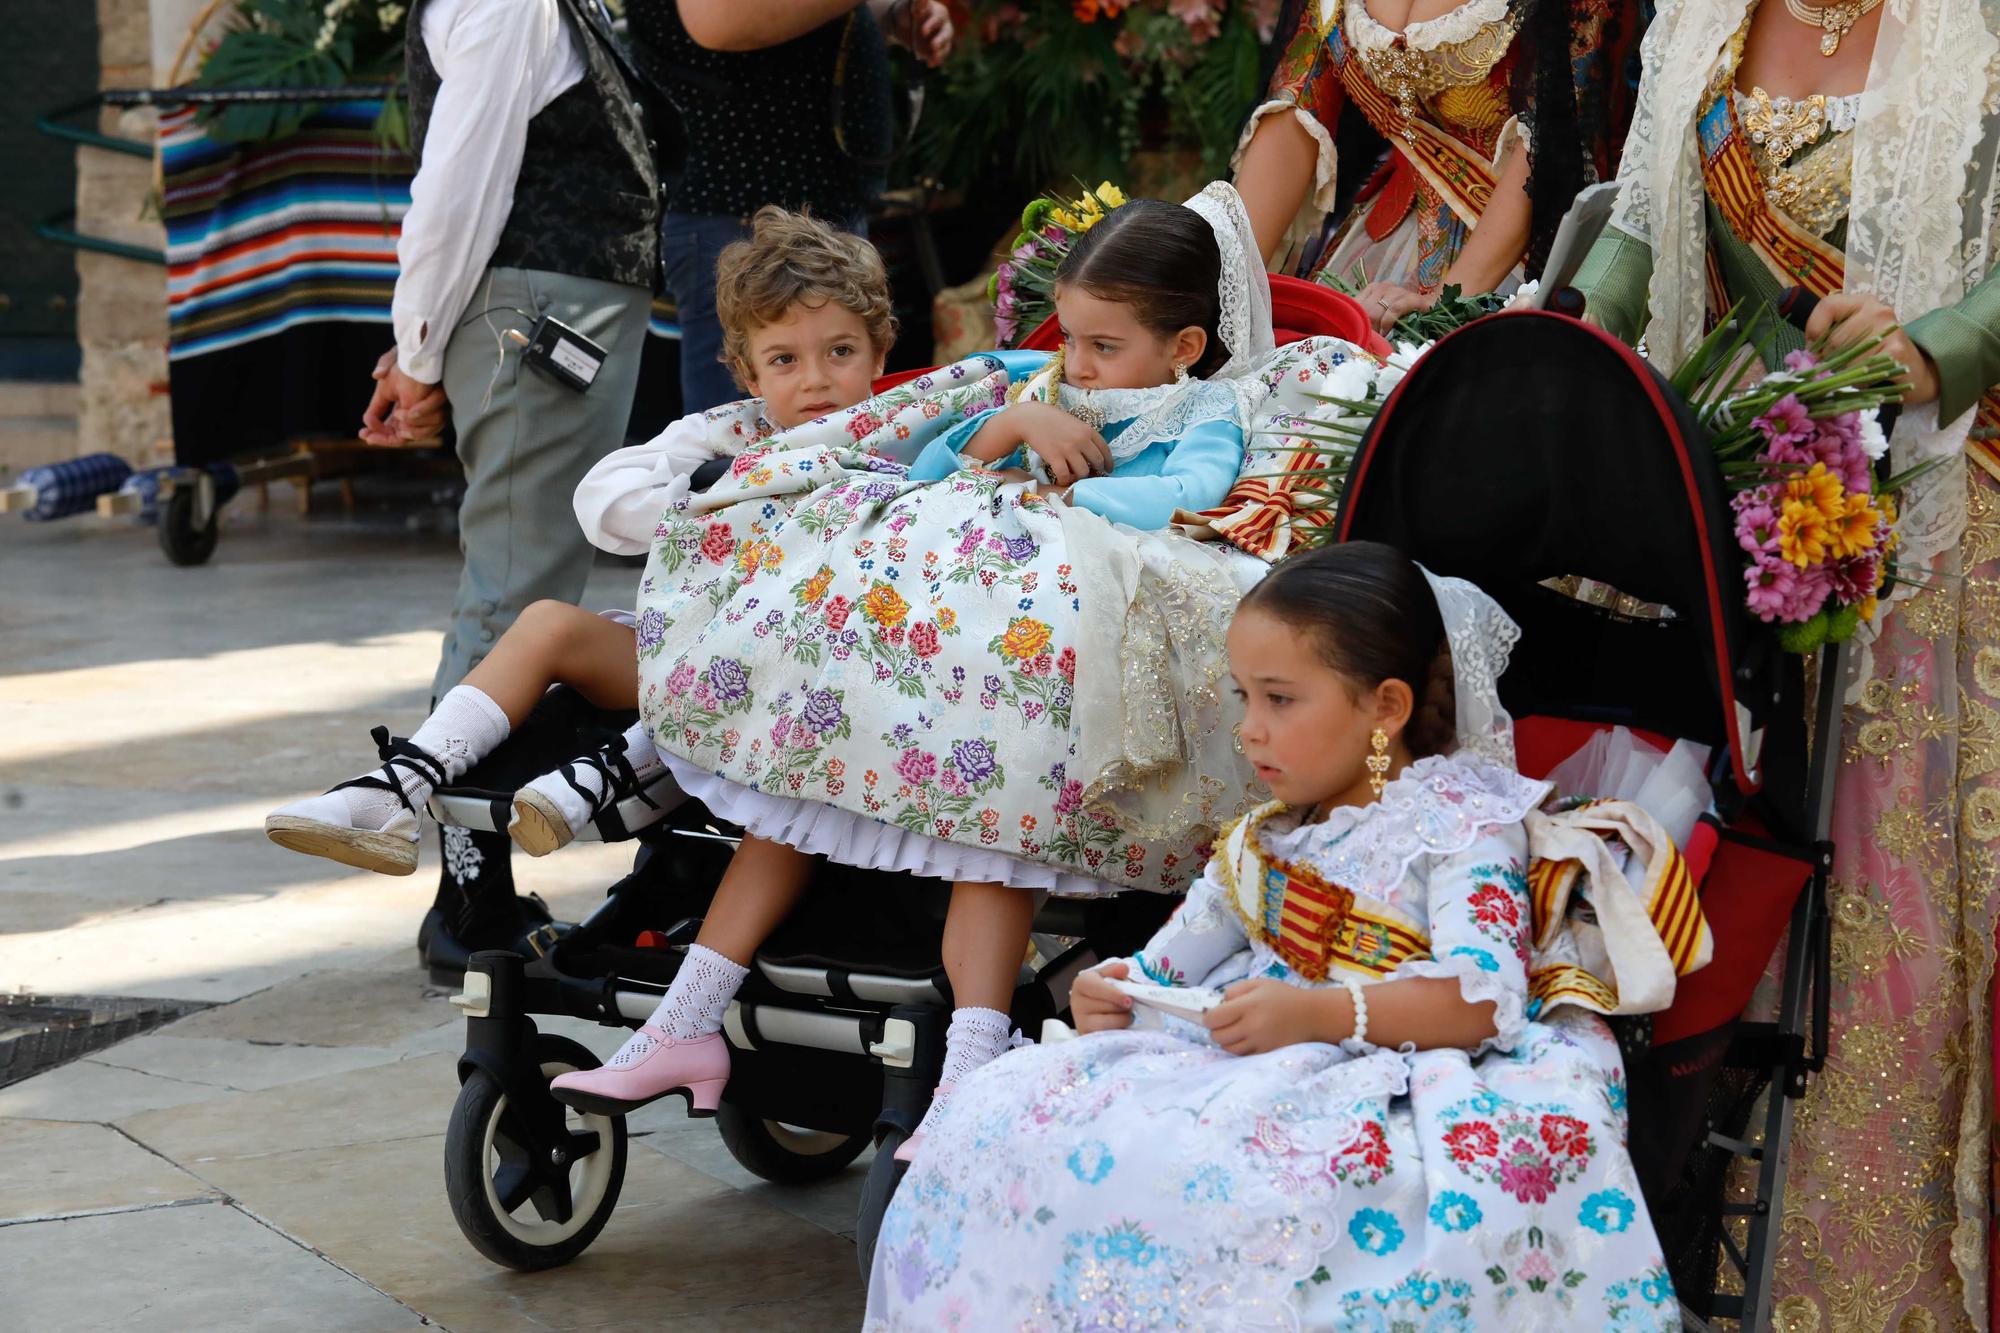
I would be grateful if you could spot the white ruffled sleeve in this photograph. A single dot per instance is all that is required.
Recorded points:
(1203, 933)
(620, 501)
(1479, 919)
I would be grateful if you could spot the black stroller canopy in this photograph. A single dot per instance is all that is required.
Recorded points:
(1528, 446)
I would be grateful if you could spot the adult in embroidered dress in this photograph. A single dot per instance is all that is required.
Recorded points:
(1495, 113)
(1851, 150)
(902, 673)
(1375, 1127)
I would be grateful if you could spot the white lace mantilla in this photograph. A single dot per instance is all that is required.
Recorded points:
(1450, 28)
(1438, 806)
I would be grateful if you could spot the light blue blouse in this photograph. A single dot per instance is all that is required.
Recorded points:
(1193, 471)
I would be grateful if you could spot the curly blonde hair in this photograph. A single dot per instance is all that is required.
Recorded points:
(792, 259)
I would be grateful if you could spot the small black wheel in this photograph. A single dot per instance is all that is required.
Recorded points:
(785, 1153)
(885, 1173)
(185, 541)
(513, 1209)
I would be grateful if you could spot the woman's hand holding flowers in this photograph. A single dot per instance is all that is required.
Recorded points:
(1387, 302)
(1846, 318)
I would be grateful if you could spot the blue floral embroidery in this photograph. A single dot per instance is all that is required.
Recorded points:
(1456, 1212)
(1614, 1093)
(1486, 961)
(1606, 1212)
(1162, 973)
(1091, 1162)
(1375, 1231)
(1211, 1184)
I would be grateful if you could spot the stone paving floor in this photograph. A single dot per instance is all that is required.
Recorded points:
(275, 1161)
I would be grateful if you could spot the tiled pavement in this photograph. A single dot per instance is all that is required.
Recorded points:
(275, 1161)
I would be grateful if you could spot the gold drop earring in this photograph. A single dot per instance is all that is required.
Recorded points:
(1378, 761)
(1180, 372)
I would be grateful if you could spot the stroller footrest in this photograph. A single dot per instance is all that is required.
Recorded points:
(837, 983)
(750, 1026)
(491, 811)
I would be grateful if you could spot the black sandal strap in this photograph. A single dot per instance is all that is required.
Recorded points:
(395, 751)
(610, 763)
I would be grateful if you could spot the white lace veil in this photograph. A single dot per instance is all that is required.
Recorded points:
(1481, 637)
(1243, 302)
(1919, 229)
(1243, 293)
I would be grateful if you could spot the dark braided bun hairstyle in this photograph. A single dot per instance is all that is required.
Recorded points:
(1370, 611)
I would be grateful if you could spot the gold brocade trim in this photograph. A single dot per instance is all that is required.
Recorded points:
(1807, 168)
(1362, 939)
(1413, 77)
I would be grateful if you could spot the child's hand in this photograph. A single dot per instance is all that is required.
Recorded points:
(1096, 1004)
(1069, 449)
(1264, 1014)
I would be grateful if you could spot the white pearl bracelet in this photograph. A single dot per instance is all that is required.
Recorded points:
(1357, 1040)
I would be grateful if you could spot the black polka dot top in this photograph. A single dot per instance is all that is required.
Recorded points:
(759, 126)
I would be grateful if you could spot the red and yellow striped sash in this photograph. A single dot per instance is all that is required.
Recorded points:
(1672, 904)
(1793, 255)
(1459, 173)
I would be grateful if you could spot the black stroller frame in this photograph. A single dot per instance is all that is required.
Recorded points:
(837, 1036)
(1481, 426)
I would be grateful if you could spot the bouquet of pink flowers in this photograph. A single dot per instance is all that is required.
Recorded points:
(1022, 288)
(1799, 447)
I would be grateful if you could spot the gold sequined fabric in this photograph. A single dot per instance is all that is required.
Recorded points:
(1888, 1197)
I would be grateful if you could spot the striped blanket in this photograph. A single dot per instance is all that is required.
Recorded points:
(264, 237)
(281, 265)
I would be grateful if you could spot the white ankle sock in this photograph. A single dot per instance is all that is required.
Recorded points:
(639, 751)
(554, 785)
(463, 729)
(975, 1039)
(699, 996)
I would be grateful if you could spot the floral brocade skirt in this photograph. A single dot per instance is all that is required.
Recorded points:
(884, 672)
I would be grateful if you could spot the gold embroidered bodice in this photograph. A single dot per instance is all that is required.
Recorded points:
(1804, 150)
(1452, 70)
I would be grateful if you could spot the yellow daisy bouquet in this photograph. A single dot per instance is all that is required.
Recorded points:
(1815, 515)
(1022, 288)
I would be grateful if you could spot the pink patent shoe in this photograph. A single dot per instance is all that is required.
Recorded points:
(648, 1067)
(908, 1151)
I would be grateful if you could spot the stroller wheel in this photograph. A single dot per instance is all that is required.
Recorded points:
(785, 1153)
(885, 1173)
(518, 1209)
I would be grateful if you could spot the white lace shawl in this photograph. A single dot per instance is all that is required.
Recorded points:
(1921, 223)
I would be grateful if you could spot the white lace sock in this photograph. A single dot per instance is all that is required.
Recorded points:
(693, 1005)
(463, 729)
(975, 1038)
(576, 809)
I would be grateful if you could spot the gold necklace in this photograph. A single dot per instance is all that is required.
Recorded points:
(1832, 20)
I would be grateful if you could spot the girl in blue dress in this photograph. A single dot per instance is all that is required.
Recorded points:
(1360, 1118)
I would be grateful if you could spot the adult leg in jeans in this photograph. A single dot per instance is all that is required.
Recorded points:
(689, 246)
(525, 442)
